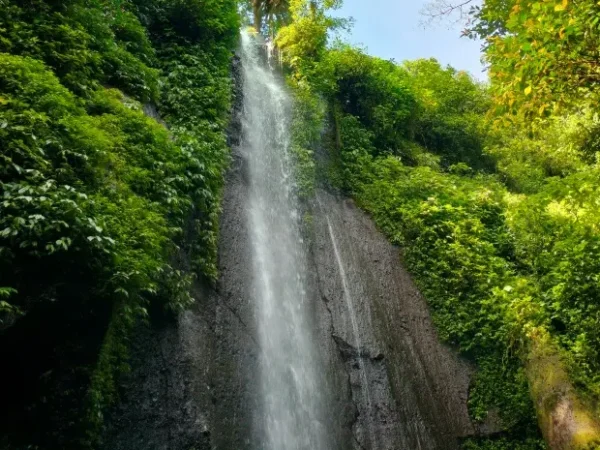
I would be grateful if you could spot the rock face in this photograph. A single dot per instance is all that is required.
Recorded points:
(409, 390)
(194, 382)
(389, 383)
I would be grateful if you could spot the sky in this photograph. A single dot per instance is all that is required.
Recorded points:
(393, 29)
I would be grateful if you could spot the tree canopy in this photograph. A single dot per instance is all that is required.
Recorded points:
(542, 55)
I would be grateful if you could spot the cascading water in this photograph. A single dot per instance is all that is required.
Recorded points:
(360, 350)
(350, 304)
(292, 409)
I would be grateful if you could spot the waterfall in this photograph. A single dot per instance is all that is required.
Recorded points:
(350, 304)
(361, 352)
(292, 412)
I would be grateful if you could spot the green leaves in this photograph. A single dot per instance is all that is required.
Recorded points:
(96, 198)
(557, 237)
(87, 45)
(542, 54)
(303, 41)
(197, 77)
(8, 312)
(374, 91)
(6, 293)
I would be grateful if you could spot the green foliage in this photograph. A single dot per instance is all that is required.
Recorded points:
(93, 189)
(450, 117)
(194, 41)
(195, 77)
(376, 92)
(210, 23)
(87, 44)
(542, 54)
(306, 130)
(504, 443)
(454, 238)
(526, 161)
(269, 14)
(6, 309)
(558, 240)
(101, 204)
(500, 385)
(439, 110)
(354, 152)
(419, 102)
(302, 42)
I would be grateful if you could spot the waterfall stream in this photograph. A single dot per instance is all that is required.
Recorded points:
(360, 350)
(292, 408)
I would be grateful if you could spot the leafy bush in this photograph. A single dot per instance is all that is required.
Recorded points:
(450, 120)
(417, 102)
(79, 42)
(376, 92)
(208, 22)
(83, 193)
(527, 160)
(101, 204)
(504, 443)
(558, 240)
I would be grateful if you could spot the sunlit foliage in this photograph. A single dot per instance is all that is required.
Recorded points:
(543, 55)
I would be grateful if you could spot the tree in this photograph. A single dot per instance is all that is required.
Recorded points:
(272, 10)
(439, 9)
(542, 55)
(303, 41)
(547, 58)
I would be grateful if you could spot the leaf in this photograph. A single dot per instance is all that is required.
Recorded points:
(562, 6)
(528, 90)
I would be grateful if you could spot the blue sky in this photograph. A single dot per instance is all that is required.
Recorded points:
(393, 29)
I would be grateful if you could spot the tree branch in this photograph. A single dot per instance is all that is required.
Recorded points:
(451, 8)
(439, 9)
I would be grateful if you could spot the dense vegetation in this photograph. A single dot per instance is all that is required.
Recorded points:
(491, 191)
(112, 152)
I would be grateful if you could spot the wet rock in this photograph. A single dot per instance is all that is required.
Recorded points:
(194, 382)
(413, 389)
